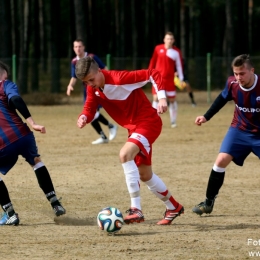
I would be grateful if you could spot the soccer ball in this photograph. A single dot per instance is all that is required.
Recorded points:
(110, 219)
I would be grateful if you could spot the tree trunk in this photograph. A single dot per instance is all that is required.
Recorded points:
(35, 47)
(134, 34)
(80, 20)
(54, 40)
(5, 29)
(250, 12)
(23, 8)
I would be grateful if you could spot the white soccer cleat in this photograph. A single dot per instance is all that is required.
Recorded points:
(112, 132)
(100, 141)
(173, 125)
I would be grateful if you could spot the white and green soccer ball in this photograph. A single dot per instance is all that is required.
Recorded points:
(110, 219)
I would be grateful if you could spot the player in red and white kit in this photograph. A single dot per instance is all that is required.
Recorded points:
(167, 60)
(120, 94)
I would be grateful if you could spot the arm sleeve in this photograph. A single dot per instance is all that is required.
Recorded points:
(18, 103)
(218, 103)
(99, 62)
(73, 70)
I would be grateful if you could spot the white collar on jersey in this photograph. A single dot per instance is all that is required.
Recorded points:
(248, 89)
(86, 54)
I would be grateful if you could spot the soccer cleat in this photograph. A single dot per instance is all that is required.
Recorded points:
(6, 220)
(57, 207)
(170, 215)
(135, 215)
(100, 141)
(59, 210)
(193, 104)
(173, 125)
(112, 132)
(203, 208)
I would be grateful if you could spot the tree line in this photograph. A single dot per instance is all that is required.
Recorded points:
(41, 32)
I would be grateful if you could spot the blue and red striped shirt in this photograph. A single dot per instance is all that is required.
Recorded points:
(74, 61)
(12, 127)
(247, 104)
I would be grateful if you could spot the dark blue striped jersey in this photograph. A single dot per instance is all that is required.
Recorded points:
(74, 61)
(247, 104)
(11, 125)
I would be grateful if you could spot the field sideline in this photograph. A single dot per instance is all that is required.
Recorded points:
(90, 177)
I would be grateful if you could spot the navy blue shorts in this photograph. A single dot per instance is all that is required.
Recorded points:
(25, 146)
(240, 144)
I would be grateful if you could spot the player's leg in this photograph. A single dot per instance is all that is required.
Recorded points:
(9, 217)
(111, 127)
(190, 93)
(8, 158)
(96, 125)
(29, 151)
(159, 189)
(234, 147)
(173, 108)
(155, 99)
(127, 155)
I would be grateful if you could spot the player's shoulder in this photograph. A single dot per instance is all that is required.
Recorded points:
(74, 60)
(159, 46)
(176, 48)
(232, 80)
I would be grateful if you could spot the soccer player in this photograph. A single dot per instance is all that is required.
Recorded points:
(79, 49)
(120, 93)
(167, 60)
(16, 139)
(243, 136)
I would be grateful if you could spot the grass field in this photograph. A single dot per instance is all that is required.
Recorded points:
(89, 177)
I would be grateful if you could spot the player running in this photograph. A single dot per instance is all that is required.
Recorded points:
(243, 136)
(16, 139)
(120, 93)
(167, 60)
(79, 49)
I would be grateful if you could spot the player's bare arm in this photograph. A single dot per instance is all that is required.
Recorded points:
(35, 126)
(71, 86)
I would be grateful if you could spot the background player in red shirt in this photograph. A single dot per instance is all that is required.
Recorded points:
(120, 94)
(167, 60)
(16, 139)
(79, 49)
(243, 136)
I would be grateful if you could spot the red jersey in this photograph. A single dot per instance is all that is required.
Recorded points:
(167, 61)
(123, 98)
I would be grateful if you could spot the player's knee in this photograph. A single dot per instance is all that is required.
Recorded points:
(123, 156)
(37, 160)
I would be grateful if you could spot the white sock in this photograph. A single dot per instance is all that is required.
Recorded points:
(159, 189)
(155, 104)
(173, 107)
(133, 183)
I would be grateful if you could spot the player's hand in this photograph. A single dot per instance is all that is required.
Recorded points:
(69, 89)
(162, 106)
(82, 121)
(39, 128)
(199, 120)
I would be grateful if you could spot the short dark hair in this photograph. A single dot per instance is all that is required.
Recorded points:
(169, 33)
(4, 67)
(241, 60)
(79, 40)
(84, 66)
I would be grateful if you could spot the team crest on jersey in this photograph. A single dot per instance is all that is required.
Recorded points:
(258, 99)
(161, 50)
(97, 93)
